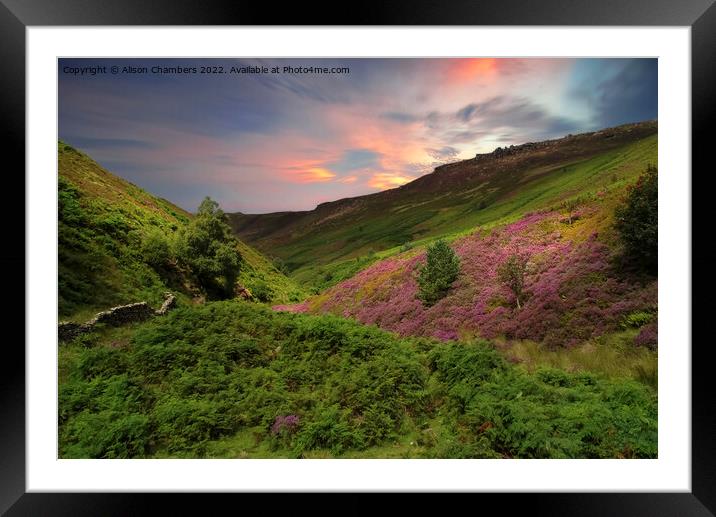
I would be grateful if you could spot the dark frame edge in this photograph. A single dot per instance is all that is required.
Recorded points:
(703, 111)
(12, 258)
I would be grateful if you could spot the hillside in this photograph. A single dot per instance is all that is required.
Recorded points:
(574, 288)
(102, 222)
(492, 188)
(234, 379)
(363, 369)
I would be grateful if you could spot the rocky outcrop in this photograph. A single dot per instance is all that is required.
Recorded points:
(116, 316)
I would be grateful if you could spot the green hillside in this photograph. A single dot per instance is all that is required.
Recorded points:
(363, 368)
(103, 220)
(236, 380)
(336, 239)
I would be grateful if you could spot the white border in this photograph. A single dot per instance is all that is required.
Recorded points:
(671, 472)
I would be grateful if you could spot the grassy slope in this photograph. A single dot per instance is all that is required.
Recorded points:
(390, 219)
(102, 219)
(211, 380)
(378, 294)
(457, 213)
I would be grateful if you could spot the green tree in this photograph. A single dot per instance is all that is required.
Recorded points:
(511, 273)
(156, 249)
(637, 221)
(438, 273)
(208, 248)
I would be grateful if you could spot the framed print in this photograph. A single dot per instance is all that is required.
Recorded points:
(415, 251)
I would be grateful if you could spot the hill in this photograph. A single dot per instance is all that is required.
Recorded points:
(102, 222)
(234, 379)
(491, 189)
(364, 369)
(574, 288)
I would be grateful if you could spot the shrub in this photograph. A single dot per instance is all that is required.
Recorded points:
(262, 291)
(570, 206)
(648, 336)
(637, 222)
(155, 249)
(438, 274)
(330, 429)
(240, 375)
(512, 274)
(637, 319)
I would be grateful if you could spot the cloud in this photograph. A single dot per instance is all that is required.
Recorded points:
(386, 180)
(517, 116)
(630, 96)
(309, 175)
(112, 143)
(444, 153)
(356, 159)
(269, 142)
(477, 109)
(400, 117)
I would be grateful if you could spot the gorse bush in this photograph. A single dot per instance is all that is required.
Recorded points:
(439, 272)
(637, 221)
(292, 385)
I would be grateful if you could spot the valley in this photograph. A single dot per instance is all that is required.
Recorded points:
(322, 343)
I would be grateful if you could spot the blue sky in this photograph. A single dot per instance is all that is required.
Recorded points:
(287, 141)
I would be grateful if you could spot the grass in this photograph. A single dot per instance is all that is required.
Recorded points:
(213, 381)
(102, 222)
(613, 355)
(420, 219)
(219, 380)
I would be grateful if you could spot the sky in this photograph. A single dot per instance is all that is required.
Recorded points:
(288, 139)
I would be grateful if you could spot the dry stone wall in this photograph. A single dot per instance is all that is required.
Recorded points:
(116, 316)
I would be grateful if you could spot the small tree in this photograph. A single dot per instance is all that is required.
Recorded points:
(208, 248)
(438, 273)
(570, 206)
(511, 273)
(637, 221)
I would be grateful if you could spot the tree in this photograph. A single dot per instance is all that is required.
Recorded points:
(156, 249)
(511, 273)
(438, 273)
(209, 249)
(637, 221)
(570, 206)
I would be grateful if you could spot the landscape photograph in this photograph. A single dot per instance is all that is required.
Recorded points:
(395, 258)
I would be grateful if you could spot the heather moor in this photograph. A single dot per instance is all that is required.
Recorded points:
(392, 258)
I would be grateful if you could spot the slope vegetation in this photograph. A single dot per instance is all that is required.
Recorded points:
(237, 380)
(492, 188)
(573, 290)
(102, 222)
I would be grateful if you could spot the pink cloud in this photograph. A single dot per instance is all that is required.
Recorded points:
(386, 180)
(310, 175)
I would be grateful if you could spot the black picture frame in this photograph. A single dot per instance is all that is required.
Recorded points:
(16, 15)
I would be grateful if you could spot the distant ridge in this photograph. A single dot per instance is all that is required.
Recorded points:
(451, 197)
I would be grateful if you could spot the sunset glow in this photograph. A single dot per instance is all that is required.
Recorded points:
(272, 142)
